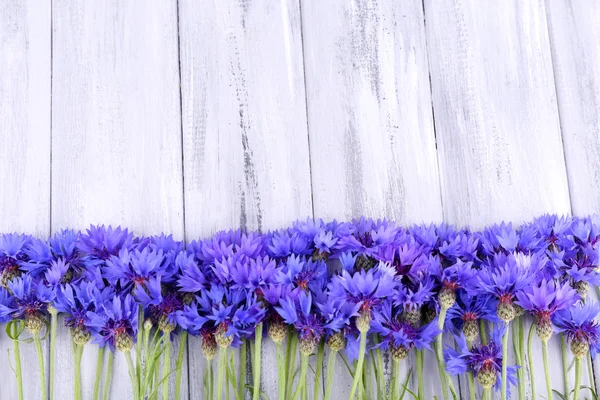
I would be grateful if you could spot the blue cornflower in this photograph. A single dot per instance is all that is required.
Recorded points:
(365, 288)
(12, 256)
(301, 313)
(507, 275)
(485, 361)
(578, 324)
(75, 301)
(164, 305)
(284, 243)
(400, 336)
(299, 273)
(468, 310)
(364, 238)
(192, 275)
(543, 299)
(100, 243)
(115, 323)
(131, 270)
(29, 301)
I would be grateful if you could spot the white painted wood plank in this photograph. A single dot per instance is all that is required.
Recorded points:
(24, 150)
(116, 132)
(370, 120)
(574, 28)
(496, 118)
(244, 121)
(495, 109)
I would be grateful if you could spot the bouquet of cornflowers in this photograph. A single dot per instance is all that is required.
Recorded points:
(361, 291)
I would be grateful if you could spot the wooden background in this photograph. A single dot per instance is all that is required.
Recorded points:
(192, 116)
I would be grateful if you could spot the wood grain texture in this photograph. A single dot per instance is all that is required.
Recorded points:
(246, 157)
(370, 119)
(496, 120)
(574, 27)
(24, 150)
(116, 141)
(369, 110)
(496, 116)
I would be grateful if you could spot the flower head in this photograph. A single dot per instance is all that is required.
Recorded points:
(115, 323)
(578, 324)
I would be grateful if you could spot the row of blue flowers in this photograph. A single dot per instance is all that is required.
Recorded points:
(336, 288)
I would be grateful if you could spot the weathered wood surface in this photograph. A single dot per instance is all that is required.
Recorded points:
(245, 135)
(116, 134)
(287, 107)
(370, 121)
(24, 151)
(574, 28)
(496, 118)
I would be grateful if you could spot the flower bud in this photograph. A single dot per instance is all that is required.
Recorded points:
(277, 331)
(221, 336)
(67, 277)
(337, 341)
(487, 377)
(506, 311)
(307, 346)
(447, 297)
(429, 314)
(187, 299)
(9, 272)
(209, 347)
(81, 335)
(164, 325)
(363, 321)
(364, 263)
(34, 323)
(471, 330)
(519, 311)
(579, 348)
(582, 288)
(399, 353)
(148, 324)
(52, 310)
(319, 255)
(123, 342)
(412, 316)
(543, 328)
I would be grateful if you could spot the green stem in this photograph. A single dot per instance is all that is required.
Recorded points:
(166, 366)
(19, 376)
(359, 365)
(134, 382)
(319, 370)
(211, 381)
(482, 332)
(77, 367)
(380, 373)
(505, 360)
(530, 359)
(395, 390)
(420, 385)
(109, 370)
(221, 371)
(256, 362)
(179, 366)
(487, 394)
(522, 359)
(99, 365)
(471, 386)
(138, 348)
(280, 370)
(565, 365)
(242, 380)
(330, 371)
(517, 337)
(546, 369)
(577, 377)
(291, 362)
(53, 327)
(439, 355)
(40, 355)
(302, 381)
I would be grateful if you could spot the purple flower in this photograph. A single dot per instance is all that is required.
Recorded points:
(115, 323)
(365, 237)
(579, 326)
(468, 310)
(301, 313)
(131, 270)
(12, 255)
(100, 243)
(192, 276)
(401, 336)
(485, 361)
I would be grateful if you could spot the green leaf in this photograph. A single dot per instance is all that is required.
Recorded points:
(562, 396)
(591, 390)
(251, 389)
